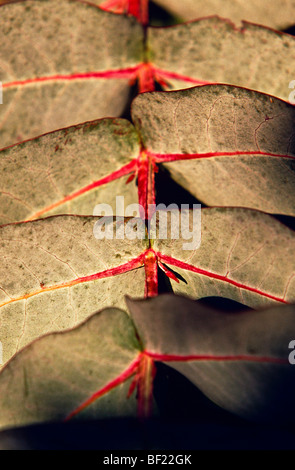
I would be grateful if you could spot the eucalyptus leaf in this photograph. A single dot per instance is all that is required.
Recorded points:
(239, 360)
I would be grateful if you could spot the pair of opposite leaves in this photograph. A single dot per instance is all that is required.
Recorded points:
(239, 360)
(55, 273)
(64, 62)
(240, 240)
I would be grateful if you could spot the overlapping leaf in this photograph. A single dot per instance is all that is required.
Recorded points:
(52, 376)
(55, 273)
(65, 62)
(227, 146)
(238, 360)
(268, 12)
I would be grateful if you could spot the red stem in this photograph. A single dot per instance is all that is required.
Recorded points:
(151, 274)
(146, 170)
(146, 78)
(139, 9)
(145, 378)
(121, 269)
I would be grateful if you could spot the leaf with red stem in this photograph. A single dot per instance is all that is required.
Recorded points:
(243, 255)
(214, 50)
(69, 171)
(52, 79)
(63, 62)
(240, 360)
(55, 273)
(227, 146)
(215, 141)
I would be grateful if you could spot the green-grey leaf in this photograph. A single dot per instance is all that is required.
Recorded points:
(57, 173)
(244, 255)
(214, 50)
(52, 376)
(43, 39)
(49, 277)
(240, 360)
(267, 12)
(242, 141)
(53, 53)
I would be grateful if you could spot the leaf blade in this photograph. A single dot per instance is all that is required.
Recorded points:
(55, 273)
(239, 360)
(218, 52)
(238, 144)
(239, 257)
(69, 171)
(73, 365)
(269, 13)
(38, 42)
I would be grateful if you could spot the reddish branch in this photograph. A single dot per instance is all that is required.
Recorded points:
(151, 274)
(146, 169)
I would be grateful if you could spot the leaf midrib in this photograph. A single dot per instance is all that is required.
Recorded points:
(141, 261)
